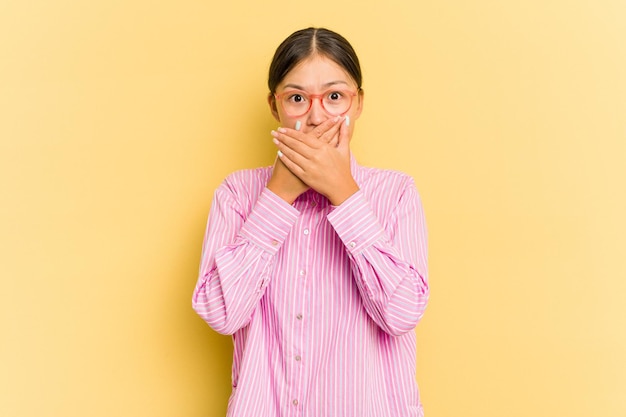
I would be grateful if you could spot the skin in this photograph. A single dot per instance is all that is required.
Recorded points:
(318, 155)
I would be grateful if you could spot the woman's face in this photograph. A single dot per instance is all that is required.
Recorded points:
(316, 75)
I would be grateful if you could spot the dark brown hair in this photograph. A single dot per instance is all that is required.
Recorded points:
(306, 42)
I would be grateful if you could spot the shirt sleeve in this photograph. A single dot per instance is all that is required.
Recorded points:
(389, 263)
(237, 257)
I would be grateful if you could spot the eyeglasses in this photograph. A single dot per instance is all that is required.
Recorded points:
(297, 103)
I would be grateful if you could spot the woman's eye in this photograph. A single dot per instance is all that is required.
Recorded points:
(335, 95)
(297, 98)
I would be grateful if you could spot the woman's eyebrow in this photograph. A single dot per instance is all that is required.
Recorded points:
(328, 84)
(296, 86)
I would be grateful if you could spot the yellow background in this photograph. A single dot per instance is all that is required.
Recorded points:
(119, 118)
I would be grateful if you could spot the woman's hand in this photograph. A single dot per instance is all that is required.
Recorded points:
(320, 158)
(283, 181)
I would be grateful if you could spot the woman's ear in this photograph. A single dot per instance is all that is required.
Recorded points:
(271, 100)
(359, 109)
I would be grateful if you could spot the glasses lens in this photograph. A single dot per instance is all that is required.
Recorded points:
(337, 102)
(295, 104)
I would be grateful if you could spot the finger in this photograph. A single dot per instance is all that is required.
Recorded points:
(325, 126)
(287, 156)
(304, 146)
(324, 131)
(291, 136)
(334, 142)
(292, 154)
(344, 135)
(331, 134)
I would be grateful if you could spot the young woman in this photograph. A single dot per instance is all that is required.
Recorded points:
(316, 266)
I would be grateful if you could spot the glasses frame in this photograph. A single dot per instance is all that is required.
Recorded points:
(312, 97)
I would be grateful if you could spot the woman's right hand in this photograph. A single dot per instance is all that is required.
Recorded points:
(285, 183)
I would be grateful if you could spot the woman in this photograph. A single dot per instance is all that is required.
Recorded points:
(316, 266)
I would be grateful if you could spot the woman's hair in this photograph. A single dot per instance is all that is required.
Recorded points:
(306, 42)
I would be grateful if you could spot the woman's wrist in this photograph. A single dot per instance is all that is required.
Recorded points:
(342, 193)
(285, 184)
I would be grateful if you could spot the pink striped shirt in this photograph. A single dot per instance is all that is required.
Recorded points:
(321, 301)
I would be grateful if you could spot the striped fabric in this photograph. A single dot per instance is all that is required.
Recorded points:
(321, 301)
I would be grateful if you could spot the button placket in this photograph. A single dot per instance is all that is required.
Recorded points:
(300, 270)
(304, 239)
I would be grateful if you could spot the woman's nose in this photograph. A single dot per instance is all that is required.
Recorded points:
(317, 114)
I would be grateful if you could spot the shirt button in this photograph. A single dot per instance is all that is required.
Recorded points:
(274, 242)
(352, 244)
(298, 358)
(303, 272)
(313, 204)
(295, 402)
(306, 231)
(299, 316)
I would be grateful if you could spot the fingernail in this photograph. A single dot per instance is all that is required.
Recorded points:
(282, 129)
(347, 120)
(275, 141)
(280, 154)
(298, 124)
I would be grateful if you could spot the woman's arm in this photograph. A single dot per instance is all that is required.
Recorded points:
(389, 263)
(237, 257)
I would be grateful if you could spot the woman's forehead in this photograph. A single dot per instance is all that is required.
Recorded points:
(316, 72)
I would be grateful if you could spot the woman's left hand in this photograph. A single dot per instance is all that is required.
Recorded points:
(323, 166)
